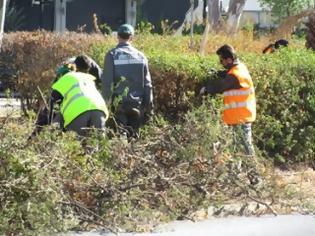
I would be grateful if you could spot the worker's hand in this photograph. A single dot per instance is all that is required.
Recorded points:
(212, 71)
(202, 91)
(148, 115)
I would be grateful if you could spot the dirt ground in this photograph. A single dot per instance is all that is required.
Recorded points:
(10, 107)
(303, 179)
(297, 190)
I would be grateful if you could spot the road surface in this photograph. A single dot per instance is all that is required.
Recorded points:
(285, 225)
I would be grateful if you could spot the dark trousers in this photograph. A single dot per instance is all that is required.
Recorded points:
(87, 120)
(129, 119)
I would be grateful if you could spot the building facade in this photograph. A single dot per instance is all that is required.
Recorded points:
(61, 15)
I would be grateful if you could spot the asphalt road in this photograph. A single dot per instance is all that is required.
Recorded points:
(285, 225)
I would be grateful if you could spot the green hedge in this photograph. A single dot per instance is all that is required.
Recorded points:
(284, 82)
(284, 85)
(56, 183)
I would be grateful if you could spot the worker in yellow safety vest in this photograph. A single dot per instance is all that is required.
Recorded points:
(81, 105)
(238, 96)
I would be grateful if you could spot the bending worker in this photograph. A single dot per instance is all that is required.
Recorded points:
(127, 83)
(81, 105)
(94, 70)
(271, 48)
(239, 97)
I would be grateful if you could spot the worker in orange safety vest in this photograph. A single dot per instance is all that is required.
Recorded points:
(273, 47)
(238, 96)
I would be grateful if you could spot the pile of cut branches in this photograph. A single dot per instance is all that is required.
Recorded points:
(171, 172)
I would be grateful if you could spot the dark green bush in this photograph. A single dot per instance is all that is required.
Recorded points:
(285, 96)
(55, 182)
(284, 82)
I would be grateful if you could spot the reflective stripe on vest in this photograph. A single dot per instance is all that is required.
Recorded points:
(125, 57)
(76, 85)
(238, 92)
(240, 104)
(72, 99)
(128, 62)
(79, 95)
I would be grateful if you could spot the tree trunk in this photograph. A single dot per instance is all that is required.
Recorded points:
(131, 12)
(234, 15)
(192, 6)
(213, 14)
(310, 37)
(2, 18)
(212, 23)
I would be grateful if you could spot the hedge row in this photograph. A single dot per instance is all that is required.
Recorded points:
(284, 81)
(32, 58)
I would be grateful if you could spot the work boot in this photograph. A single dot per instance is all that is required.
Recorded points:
(134, 113)
(254, 177)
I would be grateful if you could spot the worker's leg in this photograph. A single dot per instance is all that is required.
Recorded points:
(80, 123)
(246, 138)
(97, 120)
(242, 136)
(121, 121)
(134, 121)
(236, 142)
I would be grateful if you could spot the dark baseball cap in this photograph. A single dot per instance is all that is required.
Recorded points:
(126, 29)
(281, 43)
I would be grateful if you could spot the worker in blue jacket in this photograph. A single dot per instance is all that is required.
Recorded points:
(127, 85)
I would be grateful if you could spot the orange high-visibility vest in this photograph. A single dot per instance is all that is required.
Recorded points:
(240, 104)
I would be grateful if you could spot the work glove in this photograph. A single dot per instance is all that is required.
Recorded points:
(147, 116)
(203, 91)
(212, 71)
(216, 74)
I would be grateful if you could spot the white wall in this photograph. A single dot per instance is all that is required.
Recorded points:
(251, 5)
(253, 14)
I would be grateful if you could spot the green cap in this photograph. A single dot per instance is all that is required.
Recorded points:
(126, 29)
(64, 69)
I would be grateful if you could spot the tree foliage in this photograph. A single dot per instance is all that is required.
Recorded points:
(310, 37)
(285, 8)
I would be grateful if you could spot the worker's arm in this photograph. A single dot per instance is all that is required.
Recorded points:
(148, 91)
(96, 71)
(108, 78)
(55, 98)
(222, 85)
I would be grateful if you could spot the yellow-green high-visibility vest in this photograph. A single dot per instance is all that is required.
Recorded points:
(79, 95)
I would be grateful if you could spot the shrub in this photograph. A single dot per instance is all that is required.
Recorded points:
(284, 81)
(285, 96)
(33, 176)
(34, 56)
(177, 166)
(56, 183)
